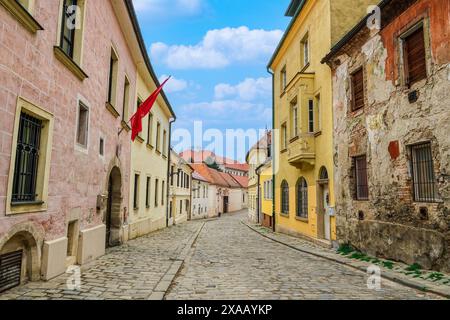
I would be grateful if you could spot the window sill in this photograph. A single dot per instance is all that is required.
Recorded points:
(22, 15)
(149, 147)
(164, 156)
(112, 110)
(125, 126)
(69, 63)
(305, 220)
(317, 134)
(140, 139)
(305, 67)
(158, 152)
(356, 113)
(27, 203)
(294, 139)
(283, 151)
(284, 215)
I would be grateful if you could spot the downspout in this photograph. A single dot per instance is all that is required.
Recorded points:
(272, 151)
(171, 121)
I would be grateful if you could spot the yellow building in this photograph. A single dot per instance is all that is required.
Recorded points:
(303, 160)
(149, 163)
(265, 173)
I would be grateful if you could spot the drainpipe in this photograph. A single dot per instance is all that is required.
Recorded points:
(272, 151)
(171, 121)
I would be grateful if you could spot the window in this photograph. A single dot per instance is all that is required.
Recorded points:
(136, 192)
(283, 79)
(126, 98)
(83, 125)
(294, 119)
(302, 198)
(181, 206)
(112, 84)
(27, 159)
(311, 116)
(357, 79)
(284, 197)
(178, 177)
(150, 130)
(361, 180)
(156, 192)
(318, 113)
(415, 56)
(162, 192)
(147, 193)
(305, 51)
(67, 42)
(424, 184)
(102, 147)
(158, 137)
(164, 142)
(283, 137)
(172, 173)
(188, 181)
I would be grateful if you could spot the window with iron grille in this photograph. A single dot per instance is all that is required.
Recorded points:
(358, 89)
(68, 32)
(285, 197)
(302, 198)
(424, 184)
(415, 56)
(27, 159)
(361, 179)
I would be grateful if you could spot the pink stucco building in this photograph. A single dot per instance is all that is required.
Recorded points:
(64, 95)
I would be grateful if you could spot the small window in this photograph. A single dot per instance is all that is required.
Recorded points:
(181, 206)
(113, 71)
(150, 130)
(83, 125)
(126, 98)
(283, 79)
(136, 192)
(318, 113)
(305, 51)
(162, 192)
(164, 142)
(158, 137)
(147, 193)
(302, 198)
(311, 120)
(415, 56)
(172, 173)
(284, 197)
(424, 182)
(27, 159)
(156, 192)
(361, 179)
(294, 115)
(284, 138)
(102, 147)
(358, 89)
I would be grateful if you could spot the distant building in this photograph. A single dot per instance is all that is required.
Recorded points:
(200, 197)
(180, 189)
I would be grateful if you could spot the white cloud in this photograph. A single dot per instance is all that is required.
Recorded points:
(167, 8)
(219, 48)
(174, 84)
(247, 90)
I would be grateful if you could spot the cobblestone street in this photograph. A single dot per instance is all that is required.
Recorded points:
(223, 259)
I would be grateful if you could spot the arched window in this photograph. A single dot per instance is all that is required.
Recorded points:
(302, 198)
(285, 197)
(323, 175)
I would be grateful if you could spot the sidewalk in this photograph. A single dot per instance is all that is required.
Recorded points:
(411, 276)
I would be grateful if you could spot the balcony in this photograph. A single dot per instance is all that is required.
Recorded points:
(301, 151)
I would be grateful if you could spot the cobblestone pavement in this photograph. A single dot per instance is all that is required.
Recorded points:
(129, 272)
(227, 261)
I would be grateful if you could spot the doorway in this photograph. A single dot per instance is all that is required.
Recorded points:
(323, 207)
(225, 204)
(113, 219)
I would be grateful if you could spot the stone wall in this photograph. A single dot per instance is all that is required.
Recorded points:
(391, 224)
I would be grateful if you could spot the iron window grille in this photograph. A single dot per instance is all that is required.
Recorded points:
(424, 183)
(302, 198)
(27, 159)
(68, 32)
(285, 197)
(361, 178)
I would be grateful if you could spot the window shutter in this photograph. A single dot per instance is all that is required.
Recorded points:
(416, 68)
(358, 90)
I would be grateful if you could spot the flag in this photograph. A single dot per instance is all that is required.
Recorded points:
(143, 110)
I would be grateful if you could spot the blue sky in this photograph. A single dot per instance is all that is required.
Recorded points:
(217, 52)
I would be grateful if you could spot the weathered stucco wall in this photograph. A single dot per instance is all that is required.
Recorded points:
(391, 224)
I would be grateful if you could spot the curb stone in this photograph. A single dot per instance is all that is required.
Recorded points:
(360, 266)
(160, 291)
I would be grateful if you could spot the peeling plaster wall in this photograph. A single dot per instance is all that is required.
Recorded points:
(389, 224)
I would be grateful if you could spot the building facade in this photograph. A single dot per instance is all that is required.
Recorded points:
(149, 163)
(303, 161)
(265, 173)
(392, 145)
(201, 208)
(64, 171)
(180, 189)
